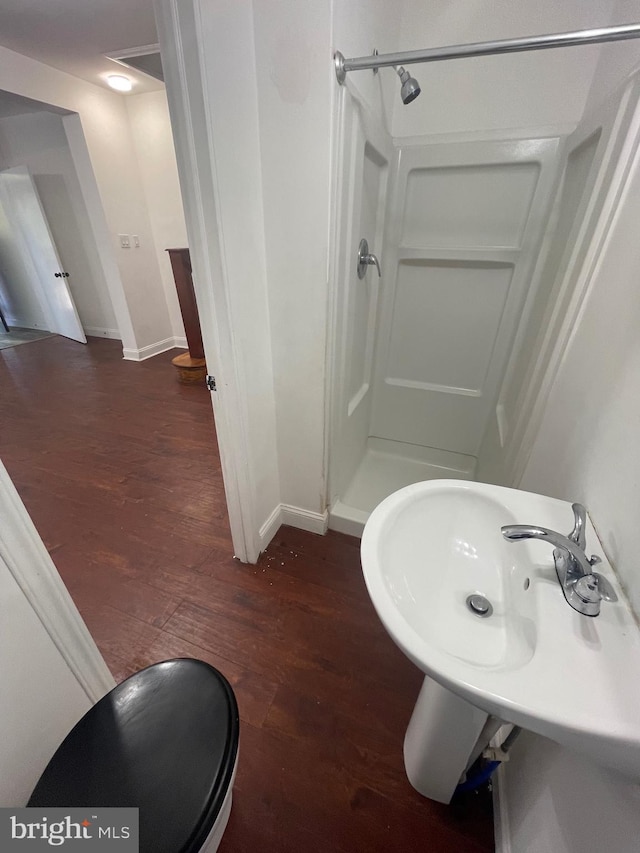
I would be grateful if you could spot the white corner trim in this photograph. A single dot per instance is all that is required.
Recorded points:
(269, 529)
(151, 349)
(314, 522)
(348, 519)
(180, 342)
(101, 332)
(26, 558)
(501, 828)
(294, 516)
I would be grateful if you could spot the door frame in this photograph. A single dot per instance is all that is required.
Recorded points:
(194, 142)
(96, 218)
(32, 237)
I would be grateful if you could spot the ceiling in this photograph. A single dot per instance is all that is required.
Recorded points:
(74, 35)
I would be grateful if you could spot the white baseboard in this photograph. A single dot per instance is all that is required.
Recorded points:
(23, 323)
(501, 812)
(150, 350)
(270, 527)
(295, 516)
(92, 331)
(181, 343)
(100, 332)
(314, 522)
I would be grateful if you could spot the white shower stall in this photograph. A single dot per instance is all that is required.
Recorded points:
(439, 366)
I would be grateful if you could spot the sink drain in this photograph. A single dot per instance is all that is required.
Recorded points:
(479, 605)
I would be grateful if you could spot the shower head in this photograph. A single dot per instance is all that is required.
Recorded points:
(410, 88)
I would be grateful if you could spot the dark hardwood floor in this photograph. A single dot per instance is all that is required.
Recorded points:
(118, 466)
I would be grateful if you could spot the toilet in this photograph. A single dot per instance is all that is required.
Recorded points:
(165, 741)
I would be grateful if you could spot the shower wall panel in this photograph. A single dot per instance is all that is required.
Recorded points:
(464, 227)
(366, 150)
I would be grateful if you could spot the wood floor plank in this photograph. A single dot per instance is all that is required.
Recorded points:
(254, 693)
(117, 635)
(118, 465)
(347, 814)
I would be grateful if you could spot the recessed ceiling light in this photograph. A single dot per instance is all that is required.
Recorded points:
(119, 82)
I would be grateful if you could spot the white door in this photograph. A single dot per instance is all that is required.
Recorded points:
(465, 226)
(30, 229)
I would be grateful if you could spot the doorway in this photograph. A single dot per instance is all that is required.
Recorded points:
(34, 283)
(52, 275)
(117, 463)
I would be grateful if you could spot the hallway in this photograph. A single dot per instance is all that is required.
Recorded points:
(118, 467)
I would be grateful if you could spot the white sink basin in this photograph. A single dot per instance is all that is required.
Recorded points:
(534, 661)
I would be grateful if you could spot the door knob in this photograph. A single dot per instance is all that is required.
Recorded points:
(365, 258)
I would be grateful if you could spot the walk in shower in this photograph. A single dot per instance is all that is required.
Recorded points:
(440, 358)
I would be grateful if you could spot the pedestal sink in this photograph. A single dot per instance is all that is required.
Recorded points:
(527, 659)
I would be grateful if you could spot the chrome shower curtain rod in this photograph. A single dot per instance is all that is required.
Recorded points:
(484, 48)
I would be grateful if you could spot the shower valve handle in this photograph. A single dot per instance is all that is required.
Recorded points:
(365, 258)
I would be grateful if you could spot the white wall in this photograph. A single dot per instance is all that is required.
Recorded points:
(558, 802)
(534, 89)
(153, 142)
(294, 108)
(40, 698)
(294, 43)
(359, 26)
(108, 136)
(38, 141)
(297, 88)
(587, 450)
(617, 59)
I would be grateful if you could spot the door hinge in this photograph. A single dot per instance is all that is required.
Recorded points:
(211, 382)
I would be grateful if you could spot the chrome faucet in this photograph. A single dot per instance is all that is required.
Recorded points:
(583, 588)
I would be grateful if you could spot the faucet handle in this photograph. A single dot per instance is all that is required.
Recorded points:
(587, 589)
(605, 589)
(593, 588)
(579, 533)
(366, 258)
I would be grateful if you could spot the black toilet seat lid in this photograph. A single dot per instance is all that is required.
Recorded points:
(165, 741)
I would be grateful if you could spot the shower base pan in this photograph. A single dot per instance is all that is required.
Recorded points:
(386, 467)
